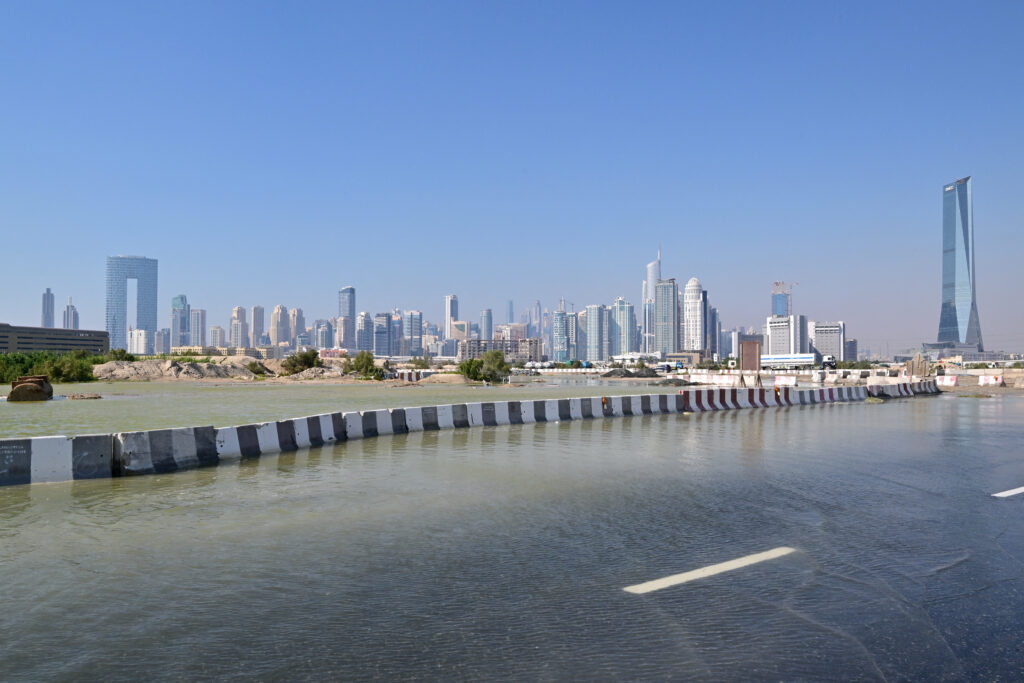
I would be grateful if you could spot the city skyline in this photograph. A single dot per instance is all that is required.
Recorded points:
(563, 162)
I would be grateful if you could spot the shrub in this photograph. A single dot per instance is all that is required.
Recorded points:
(301, 361)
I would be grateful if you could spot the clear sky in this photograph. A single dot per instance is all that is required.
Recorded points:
(272, 153)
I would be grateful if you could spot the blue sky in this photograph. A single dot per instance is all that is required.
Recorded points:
(271, 153)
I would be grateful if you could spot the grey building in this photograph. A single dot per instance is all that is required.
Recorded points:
(197, 327)
(120, 269)
(347, 311)
(70, 317)
(47, 308)
(382, 334)
(486, 324)
(15, 338)
(622, 328)
(180, 319)
(828, 338)
(958, 317)
(364, 332)
(666, 316)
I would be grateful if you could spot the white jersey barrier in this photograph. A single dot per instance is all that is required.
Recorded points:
(991, 381)
(947, 380)
(60, 458)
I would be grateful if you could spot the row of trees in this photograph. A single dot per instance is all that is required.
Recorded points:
(73, 366)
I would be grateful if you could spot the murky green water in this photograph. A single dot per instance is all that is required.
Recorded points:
(502, 552)
(154, 405)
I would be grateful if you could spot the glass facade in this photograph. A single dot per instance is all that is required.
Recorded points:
(666, 316)
(958, 317)
(120, 269)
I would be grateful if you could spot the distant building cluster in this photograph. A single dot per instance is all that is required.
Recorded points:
(669, 322)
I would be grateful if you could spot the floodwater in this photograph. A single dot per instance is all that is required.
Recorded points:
(131, 406)
(503, 552)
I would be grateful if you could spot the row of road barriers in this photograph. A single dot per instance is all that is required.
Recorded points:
(61, 458)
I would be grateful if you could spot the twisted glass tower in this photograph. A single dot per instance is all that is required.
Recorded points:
(958, 318)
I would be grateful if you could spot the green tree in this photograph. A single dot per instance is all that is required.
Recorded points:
(493, 368)
(419, 363)
(470, 368)
(302, 361)
(363, 363)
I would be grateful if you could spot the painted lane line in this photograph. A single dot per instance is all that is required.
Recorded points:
(1011, 492)
(710, 570)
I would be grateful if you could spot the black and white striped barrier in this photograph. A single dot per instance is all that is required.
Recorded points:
(55, 458)
(59, 458)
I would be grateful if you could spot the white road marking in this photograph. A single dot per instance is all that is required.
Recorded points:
(710, 570)
(1011, 492)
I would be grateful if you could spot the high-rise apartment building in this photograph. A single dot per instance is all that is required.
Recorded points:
(256, 325)
(850, 352)
(958, 317)
(560, 336)
(323, 334)
(598, 332)
(120, 269)
(162, 341)
(666, 316)
(486, 324)
(197, 327)
(412, 332)
(347, 316)
(364, 332)
(694, 316)
(296, 323)
(279, 329)
(71, 317)
(622, 337)
(47, 308)
(238, 329)
(451, 312)
(180, 319)
(218, 338)
(382, 334)
(827, 338)
(138, 342)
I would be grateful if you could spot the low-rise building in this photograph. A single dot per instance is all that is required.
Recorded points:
(15, 338)
(516, 351)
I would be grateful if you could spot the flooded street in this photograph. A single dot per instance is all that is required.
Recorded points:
(503, 552)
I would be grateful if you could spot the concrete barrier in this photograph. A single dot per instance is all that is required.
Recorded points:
(947, 380)
(55, 458)
(991, 381)
(59, 458)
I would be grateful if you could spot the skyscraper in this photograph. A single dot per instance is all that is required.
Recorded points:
(694, 302)
(257, 325)
(120, 269)
(382, 334)
(70, 316)
(279, 330)
(666, 316)
(412, 332)
(364, 332)
(296, 323)
(560, 336)
(622, 334)
(510, 313)
(347, 310)
(958, 317)
(217, 336)
(451, 312)
(486, 324)
(47, 308)
(180, 312)
(197, 327)
(238, 329)
(786, 335)
(652, 275)
(782, 299)
(598, 319)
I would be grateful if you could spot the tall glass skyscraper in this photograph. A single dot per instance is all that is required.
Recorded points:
(958, 318)
(120, 269)
(666, 316)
